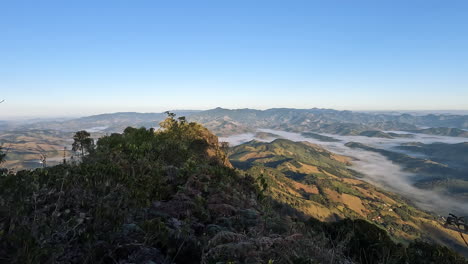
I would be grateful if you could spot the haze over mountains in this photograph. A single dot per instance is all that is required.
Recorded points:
(325, 120)
(322, 163)
(406, 143)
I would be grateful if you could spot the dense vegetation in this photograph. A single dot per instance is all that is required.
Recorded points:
(171, 196)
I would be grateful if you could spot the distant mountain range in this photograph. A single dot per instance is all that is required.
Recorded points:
(226, 121)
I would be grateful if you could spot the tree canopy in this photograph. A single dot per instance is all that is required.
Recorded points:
(82, 142)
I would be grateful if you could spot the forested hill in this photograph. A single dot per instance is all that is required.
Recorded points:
(172, 196)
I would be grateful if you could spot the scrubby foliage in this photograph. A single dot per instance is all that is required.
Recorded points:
(364, 242)
(165, 196)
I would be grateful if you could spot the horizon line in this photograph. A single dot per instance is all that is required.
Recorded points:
(26, 117)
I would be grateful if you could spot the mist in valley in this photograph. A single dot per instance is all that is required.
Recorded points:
(376, 168)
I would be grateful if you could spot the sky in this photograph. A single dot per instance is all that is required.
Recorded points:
(74, 58)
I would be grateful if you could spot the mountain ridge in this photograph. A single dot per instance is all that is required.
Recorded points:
(170, 196)
(443, 120)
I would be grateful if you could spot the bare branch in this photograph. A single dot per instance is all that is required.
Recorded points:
(42, 154)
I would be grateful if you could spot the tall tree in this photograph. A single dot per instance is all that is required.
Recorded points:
(83, 142)
(2, 155)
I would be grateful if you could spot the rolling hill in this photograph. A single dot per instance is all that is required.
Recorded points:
(320, 184)
(442, 131)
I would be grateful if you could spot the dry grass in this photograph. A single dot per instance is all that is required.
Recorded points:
(354, 203)
(312, 189)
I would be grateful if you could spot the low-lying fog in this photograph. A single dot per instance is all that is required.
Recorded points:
(377, 169)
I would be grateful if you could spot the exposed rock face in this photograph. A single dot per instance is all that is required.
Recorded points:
(213, 148)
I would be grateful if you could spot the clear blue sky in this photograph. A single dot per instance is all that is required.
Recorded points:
(82, 57)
